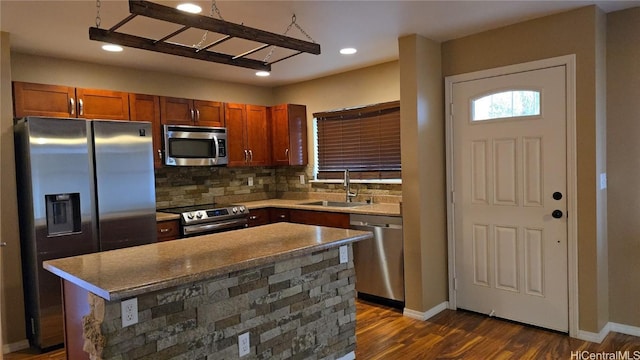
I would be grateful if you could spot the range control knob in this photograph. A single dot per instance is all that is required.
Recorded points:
(234, 210)
(199, 215)
(242, 209)
(190, 215)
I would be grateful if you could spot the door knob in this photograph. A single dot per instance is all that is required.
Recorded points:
(3, 244)
(557, 195)
(557, 214)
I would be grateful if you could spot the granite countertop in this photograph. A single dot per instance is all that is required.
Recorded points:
(163, 216)
(123, 273)
(387, 209)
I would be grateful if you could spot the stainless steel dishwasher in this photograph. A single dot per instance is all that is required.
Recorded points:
(379, 261)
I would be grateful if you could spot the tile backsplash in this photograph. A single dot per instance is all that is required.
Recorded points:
(183, 186)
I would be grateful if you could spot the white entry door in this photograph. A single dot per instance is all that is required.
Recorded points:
(510, 181)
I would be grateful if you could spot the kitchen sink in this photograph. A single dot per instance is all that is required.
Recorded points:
(335, 203)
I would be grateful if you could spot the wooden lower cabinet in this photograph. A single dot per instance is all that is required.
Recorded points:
(278, 215)
(321, 218)
(265, 216)
(258, 217)
(168, 230)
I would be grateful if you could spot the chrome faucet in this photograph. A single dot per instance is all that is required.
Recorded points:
(347, 186)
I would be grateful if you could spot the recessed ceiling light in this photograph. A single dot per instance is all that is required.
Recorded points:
(190, 8)
(348, 51)
(112, 47)
(262, 73)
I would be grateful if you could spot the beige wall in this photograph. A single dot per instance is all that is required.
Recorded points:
(572, 32)
(623, 163)
(423, 173)
(13, 324)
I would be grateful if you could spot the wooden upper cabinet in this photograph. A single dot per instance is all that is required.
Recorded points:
(178, 111)
(63, 101)
(247, 135)
(43, 100)
(258, 139)
(147, 108)
(102, 104)
(236, 118)
(209, 113)
(289, 134)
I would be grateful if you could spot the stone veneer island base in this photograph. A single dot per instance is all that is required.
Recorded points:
(283, 283)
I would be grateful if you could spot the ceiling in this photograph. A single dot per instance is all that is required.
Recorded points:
(60, 29)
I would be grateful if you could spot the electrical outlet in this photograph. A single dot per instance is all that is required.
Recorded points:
(244, 345)
(344, 254)
(302, 179)
(250, 181)
(129, 312)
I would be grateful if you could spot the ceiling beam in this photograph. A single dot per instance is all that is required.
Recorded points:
(169, 14)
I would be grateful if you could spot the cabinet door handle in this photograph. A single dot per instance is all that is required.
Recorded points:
(80, 107)
(253, 217)
(164, 230)
(282, 216)
(286, 153)
(159, 154)
(193, 118)
(246, 155)
(197, 115)
(72, 106)
(250, 156)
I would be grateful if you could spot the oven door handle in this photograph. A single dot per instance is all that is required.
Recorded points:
(201, 228)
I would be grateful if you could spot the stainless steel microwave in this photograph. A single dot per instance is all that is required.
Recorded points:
(195, 145)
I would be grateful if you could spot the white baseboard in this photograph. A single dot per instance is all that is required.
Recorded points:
(625, 329)
(610, 327)
(16, 346)
(594, 337)
(349, 356)
(419, 315)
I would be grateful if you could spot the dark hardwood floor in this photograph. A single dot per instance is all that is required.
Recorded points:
(383, 333)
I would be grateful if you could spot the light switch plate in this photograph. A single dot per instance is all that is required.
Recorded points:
(603, 181)
(344, 254)
(250, 181)
(302, 179)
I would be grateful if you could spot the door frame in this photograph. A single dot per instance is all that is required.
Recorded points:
(569, 61)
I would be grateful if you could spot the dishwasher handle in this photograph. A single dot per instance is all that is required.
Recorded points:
(366, 224)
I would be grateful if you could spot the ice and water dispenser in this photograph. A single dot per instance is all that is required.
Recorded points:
(63, 214)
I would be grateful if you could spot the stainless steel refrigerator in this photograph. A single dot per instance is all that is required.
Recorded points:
(83, 186)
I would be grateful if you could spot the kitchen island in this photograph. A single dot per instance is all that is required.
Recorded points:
(286, 285)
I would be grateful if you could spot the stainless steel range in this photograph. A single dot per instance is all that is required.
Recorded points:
(212, 218)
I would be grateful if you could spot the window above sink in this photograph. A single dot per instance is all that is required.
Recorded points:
(365, 140)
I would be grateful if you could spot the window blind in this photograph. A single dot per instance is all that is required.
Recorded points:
(365, 140)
